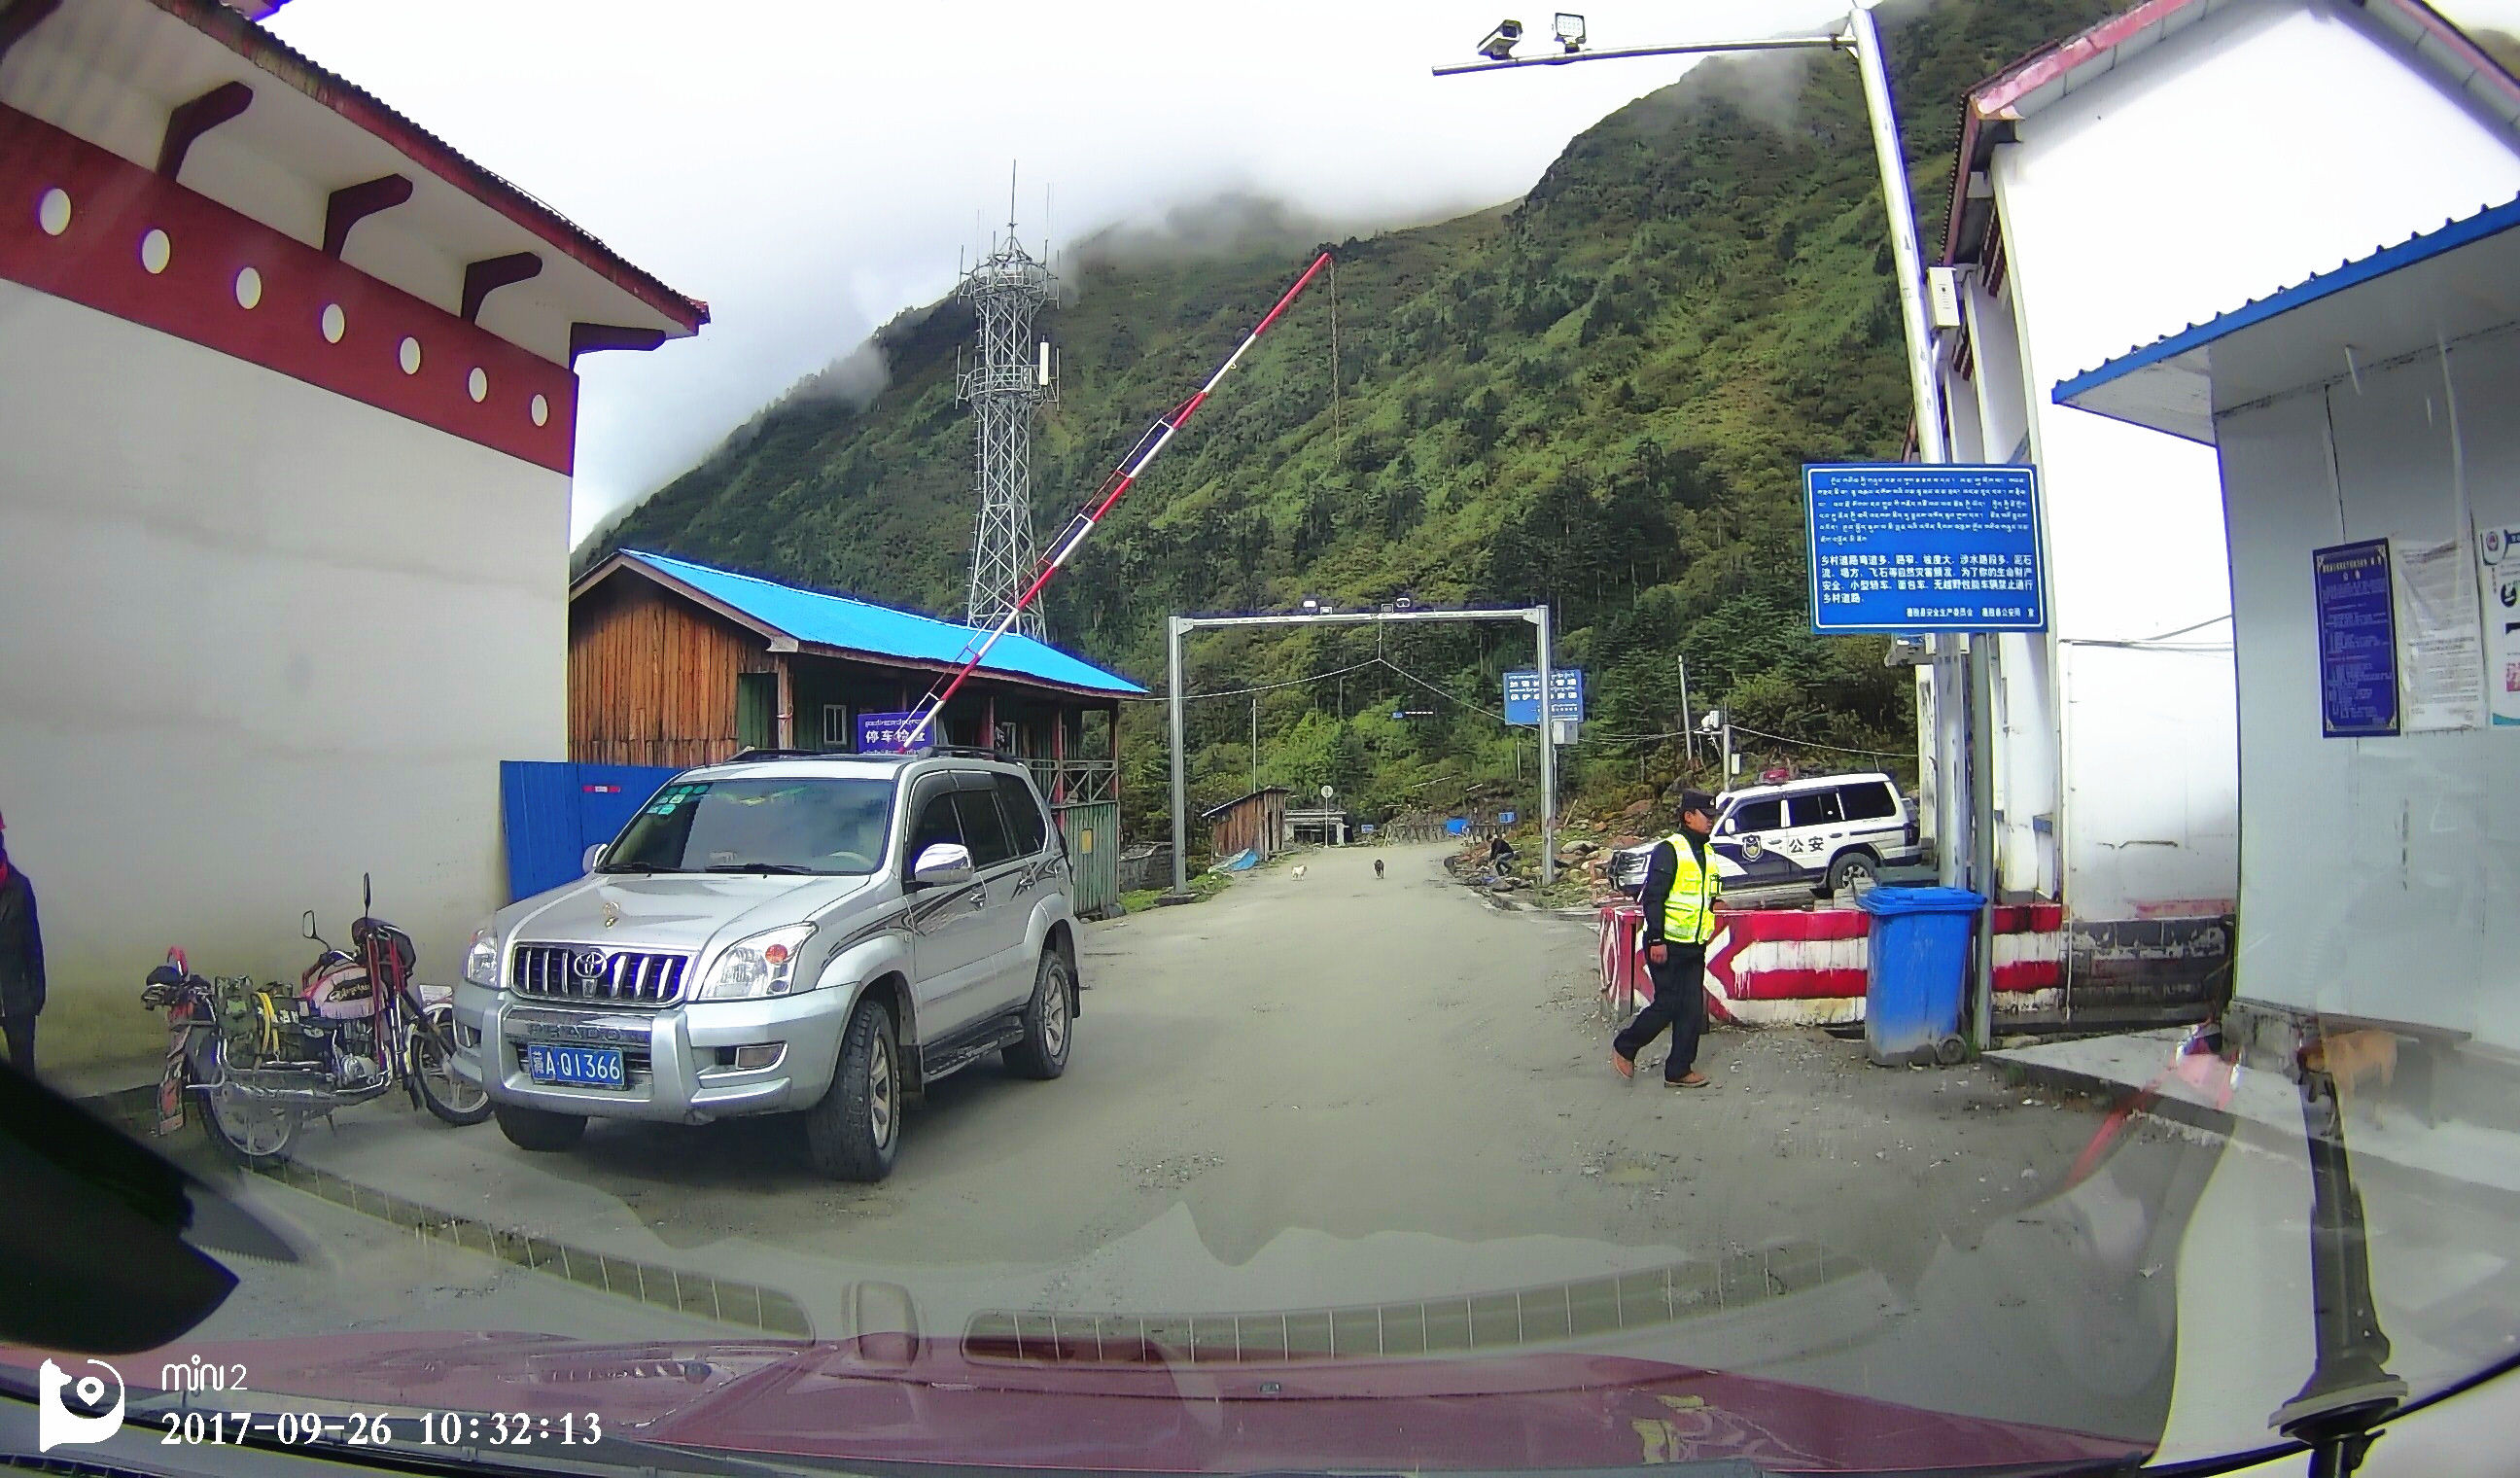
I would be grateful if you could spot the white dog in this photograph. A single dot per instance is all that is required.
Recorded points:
(1299, 869)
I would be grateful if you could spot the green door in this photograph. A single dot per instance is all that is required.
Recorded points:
(756, 710)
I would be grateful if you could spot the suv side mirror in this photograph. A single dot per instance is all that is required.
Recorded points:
(306, 926)
(593, 854)
(947, 862)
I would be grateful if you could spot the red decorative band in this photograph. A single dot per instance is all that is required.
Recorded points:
(1796, 983)
(91, 227)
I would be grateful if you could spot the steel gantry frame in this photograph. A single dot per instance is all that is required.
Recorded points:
(1178, 627)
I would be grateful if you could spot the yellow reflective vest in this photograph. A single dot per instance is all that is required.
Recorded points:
(1689, 914)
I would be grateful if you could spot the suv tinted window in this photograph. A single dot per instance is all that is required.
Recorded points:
(1023, 816)
(1758, 816)
(984, 832)
(1817, 809)
(1870, 801)
(937, 824)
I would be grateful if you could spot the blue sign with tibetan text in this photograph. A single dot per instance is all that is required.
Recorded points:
(1908, 547)
(884, 732)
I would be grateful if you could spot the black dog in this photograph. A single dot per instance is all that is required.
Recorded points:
(1378, 867)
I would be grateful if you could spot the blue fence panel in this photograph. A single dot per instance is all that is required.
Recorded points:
(553, 812)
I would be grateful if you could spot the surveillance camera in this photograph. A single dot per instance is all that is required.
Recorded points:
(1499, 42)
(1710, 721)
(1570, 32)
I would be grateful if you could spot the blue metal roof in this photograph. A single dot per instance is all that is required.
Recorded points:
(827, 620)
(2420, 247)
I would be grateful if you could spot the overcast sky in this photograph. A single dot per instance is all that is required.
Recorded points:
(811, 167)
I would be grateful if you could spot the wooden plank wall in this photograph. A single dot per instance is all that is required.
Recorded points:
(651, 677)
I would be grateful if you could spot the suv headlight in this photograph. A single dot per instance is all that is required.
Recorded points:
(762, 965)
(482, 961)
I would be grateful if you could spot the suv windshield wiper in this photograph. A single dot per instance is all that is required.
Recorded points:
(634, 867)
(760, 867)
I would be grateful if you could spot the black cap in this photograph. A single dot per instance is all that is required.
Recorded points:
(1694, 800)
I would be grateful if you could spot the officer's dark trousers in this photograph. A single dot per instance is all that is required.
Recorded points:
(1679, 1003)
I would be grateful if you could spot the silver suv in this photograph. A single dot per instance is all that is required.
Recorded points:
(780, 933)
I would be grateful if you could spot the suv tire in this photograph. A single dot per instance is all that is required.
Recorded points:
(1048, 1019)
(1849, 866)
(855, 1133)
(539, 1129)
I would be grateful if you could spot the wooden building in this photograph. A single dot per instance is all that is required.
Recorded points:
(674, 663)
(1255, 823)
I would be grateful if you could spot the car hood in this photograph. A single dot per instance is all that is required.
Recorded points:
(681, 911)
(1138, 1408)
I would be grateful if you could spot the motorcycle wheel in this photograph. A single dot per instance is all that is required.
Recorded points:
(432, 1072)
(254, 1135)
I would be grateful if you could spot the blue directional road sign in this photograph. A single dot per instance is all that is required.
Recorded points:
(1913, 547)
(1522, 695)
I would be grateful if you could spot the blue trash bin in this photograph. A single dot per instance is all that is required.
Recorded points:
(1916, 980)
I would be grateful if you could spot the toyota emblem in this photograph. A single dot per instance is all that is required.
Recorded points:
(588, 965)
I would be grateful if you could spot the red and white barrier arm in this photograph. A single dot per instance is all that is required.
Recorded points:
(1148, 447)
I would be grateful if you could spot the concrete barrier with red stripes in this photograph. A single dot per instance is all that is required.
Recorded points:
(1808, 967)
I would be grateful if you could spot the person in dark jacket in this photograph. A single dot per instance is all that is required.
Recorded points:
(21, 961)
(1679, 902)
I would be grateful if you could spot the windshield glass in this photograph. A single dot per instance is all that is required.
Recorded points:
(598, 496)
(720, 826)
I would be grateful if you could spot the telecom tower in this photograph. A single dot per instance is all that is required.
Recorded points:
(1013, 374)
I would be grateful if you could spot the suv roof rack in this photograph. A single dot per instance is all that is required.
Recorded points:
(923, 751)
(742, 756)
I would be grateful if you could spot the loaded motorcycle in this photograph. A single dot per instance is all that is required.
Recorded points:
(264, 1060)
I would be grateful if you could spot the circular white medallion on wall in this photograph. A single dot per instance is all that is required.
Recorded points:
(157, 250)
(53, 211)
(477, 385)
(248, 288)
(409, 355)
(333, 322)
(541, 409)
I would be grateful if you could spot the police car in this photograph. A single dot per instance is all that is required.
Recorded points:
(1824, 833)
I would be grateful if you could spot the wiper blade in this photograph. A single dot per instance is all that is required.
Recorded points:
(784, 867)
(633, 867)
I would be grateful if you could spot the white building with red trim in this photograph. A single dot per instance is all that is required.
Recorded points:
(2125, 182)
(287, 394)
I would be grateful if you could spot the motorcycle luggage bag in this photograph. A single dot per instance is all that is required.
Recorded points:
(339, 991)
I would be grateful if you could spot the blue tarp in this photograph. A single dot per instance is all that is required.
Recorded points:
(825, 621)
(1240, 862)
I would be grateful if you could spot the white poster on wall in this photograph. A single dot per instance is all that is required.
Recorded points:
(2441, 654)
(2498, 579)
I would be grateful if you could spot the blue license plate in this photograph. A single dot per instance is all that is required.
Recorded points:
(576, 1066)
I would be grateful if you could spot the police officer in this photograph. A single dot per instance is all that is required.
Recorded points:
(1679, 900)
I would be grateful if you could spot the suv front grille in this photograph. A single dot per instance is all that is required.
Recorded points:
(618, 977)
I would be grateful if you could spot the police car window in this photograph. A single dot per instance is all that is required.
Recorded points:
(937, 824)
(1820, 808)
(1023, 814)
(983, 828)
(1758, 816)
(1871, 801)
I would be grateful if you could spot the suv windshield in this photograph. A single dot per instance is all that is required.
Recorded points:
(766, 825)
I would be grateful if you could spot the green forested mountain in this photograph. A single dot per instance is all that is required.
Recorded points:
(1599, 395)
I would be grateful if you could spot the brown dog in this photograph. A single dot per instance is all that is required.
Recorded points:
(2355, 1059)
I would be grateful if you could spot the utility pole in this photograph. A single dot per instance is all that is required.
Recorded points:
(1255, 744)
(1687, 734)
